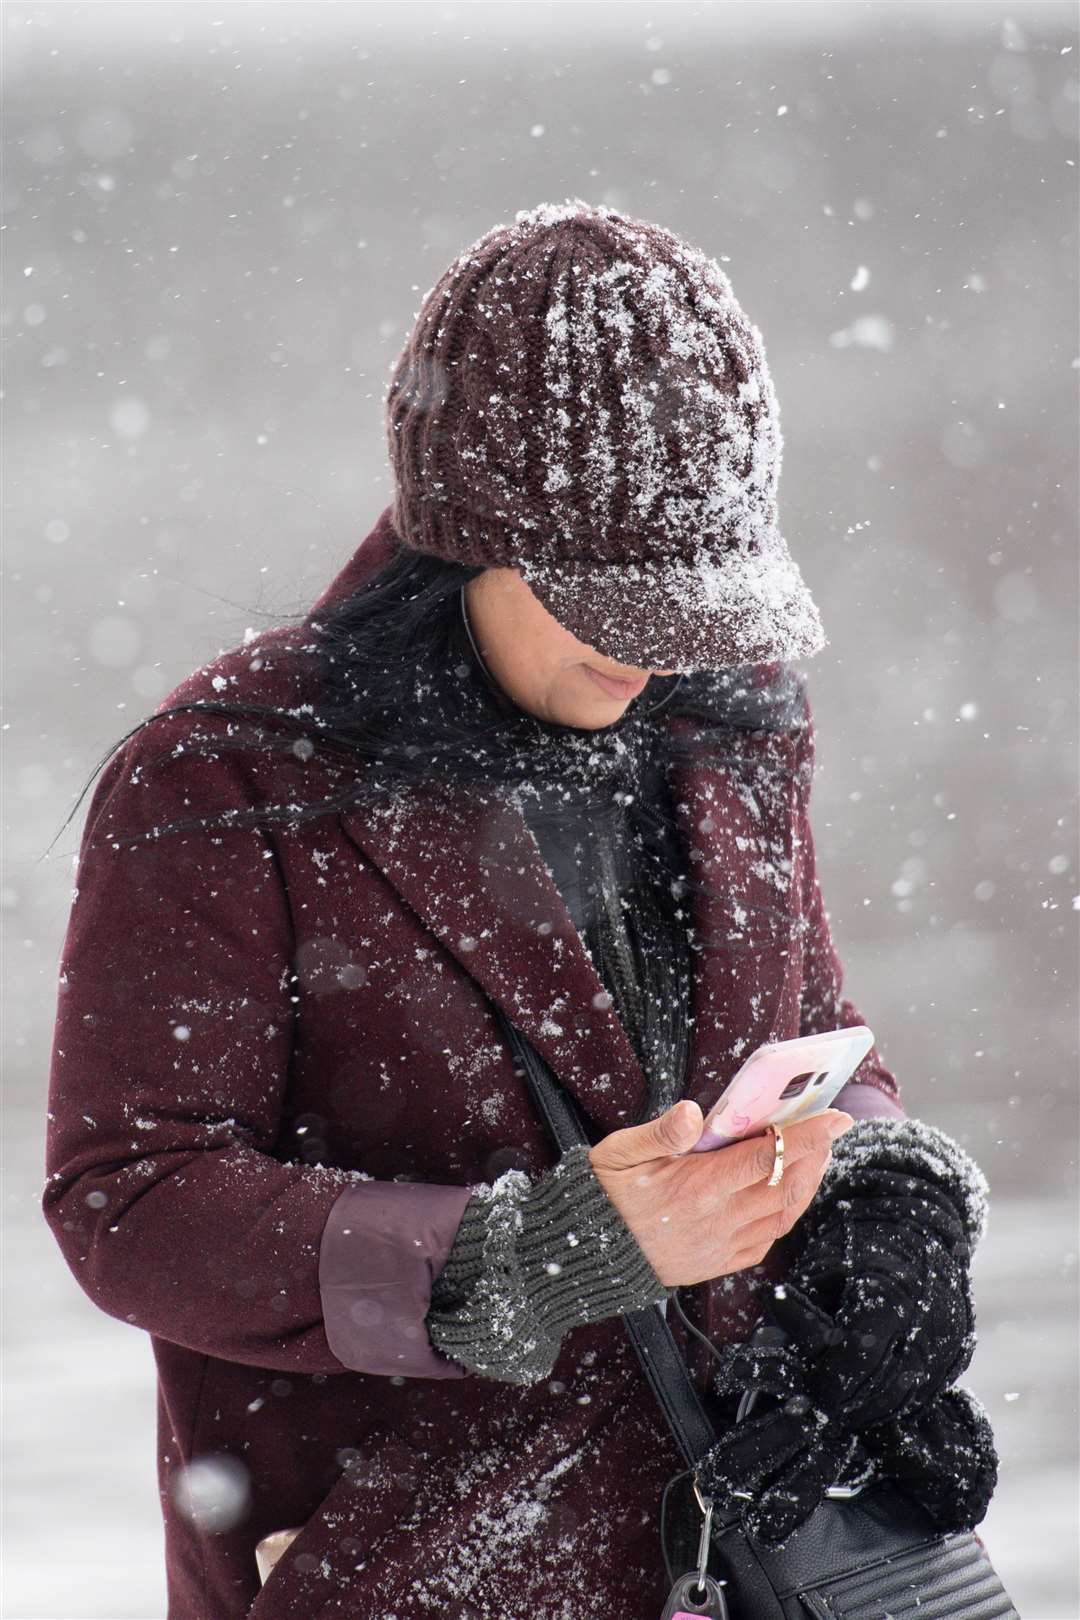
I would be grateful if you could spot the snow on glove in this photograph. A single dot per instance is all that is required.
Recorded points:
(774, 1467)
(880, 1295)
(943, 1455)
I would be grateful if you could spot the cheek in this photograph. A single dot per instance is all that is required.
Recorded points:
(545, 655)
(537, 668)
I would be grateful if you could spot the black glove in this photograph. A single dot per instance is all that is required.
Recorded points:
(774, 1466)
(943, 1455)
(880, 1292)
(875, 1323)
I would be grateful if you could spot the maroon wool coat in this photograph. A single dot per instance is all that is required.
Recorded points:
(277, 1076)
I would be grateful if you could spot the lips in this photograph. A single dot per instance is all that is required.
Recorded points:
(616, 688)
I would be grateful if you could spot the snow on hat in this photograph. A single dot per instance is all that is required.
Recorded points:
(583, 398)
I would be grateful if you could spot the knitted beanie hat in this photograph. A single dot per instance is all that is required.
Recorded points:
(582, 398)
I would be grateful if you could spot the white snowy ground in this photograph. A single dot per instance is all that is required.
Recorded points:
(83, 1541)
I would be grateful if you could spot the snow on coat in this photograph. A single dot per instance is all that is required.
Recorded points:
(255, 1024)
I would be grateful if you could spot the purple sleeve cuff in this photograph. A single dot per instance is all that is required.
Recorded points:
(863, 1101)
(382, 1247)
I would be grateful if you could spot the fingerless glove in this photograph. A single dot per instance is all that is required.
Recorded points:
(530, 1262)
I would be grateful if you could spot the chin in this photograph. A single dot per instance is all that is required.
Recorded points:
(608, 713)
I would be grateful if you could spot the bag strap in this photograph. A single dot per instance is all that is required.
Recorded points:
(648, 1328)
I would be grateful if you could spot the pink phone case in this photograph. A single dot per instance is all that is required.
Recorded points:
(755, 1097)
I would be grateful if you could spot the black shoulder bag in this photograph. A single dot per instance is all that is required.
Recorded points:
(867, 1552)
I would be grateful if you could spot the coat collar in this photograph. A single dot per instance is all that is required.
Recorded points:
(470, 868)
(374, 550)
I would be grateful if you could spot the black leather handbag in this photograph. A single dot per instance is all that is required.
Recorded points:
(867, 1552)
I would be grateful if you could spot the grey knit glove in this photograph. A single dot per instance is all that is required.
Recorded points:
(530, 1262)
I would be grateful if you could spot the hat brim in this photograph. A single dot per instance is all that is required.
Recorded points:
(738, 607)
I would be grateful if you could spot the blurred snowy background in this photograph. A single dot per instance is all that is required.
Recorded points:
(220, 221)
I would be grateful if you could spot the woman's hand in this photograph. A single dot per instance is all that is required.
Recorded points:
(703, 1215)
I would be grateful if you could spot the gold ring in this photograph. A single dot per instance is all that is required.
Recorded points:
(778, 1156)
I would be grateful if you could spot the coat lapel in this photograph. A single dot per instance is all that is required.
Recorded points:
(737, 822)
(472, 871)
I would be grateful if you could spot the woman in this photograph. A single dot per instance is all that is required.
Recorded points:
(539, 744)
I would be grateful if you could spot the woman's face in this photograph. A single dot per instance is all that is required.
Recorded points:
(538, 663)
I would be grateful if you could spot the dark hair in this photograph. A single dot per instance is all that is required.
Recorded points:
(390, 675)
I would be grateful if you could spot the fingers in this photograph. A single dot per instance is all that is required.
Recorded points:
(744, 1163)
(790, 1198)
(754, 1242)
(771, 1212)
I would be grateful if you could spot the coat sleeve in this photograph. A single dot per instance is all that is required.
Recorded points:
(171, 1055)
(872, 1091)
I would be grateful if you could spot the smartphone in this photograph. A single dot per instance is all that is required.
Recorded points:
(783, 1081)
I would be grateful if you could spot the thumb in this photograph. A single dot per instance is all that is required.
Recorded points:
(800, 1316)
(675, 1131)
(678, 1129)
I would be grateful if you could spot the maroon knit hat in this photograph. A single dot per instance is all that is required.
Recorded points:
(582, 398)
